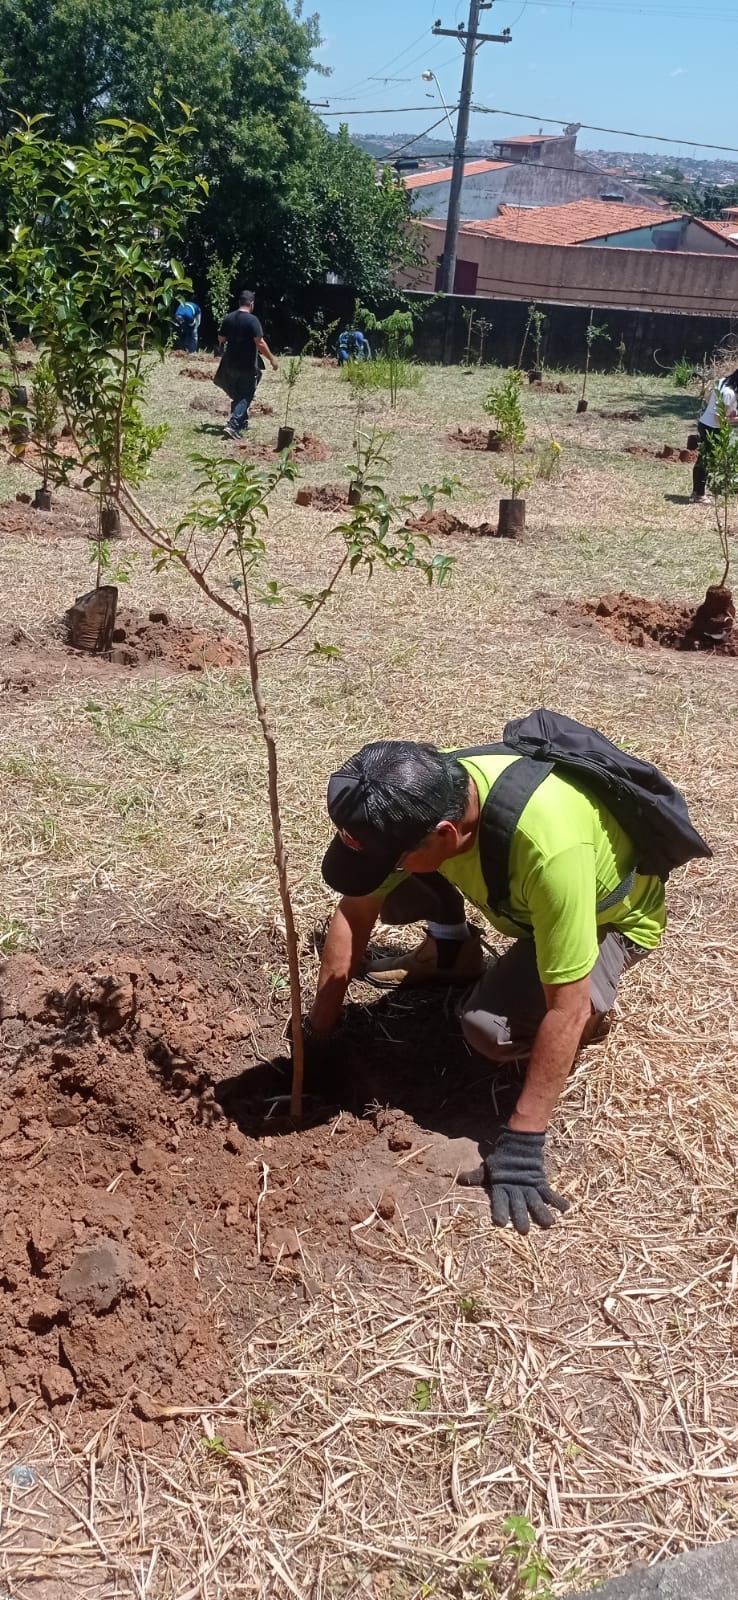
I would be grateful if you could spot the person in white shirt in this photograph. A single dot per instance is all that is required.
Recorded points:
(727, 390)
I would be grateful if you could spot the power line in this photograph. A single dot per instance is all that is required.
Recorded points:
(535, 116)
(359, 82)
(630, 6)
(593, 127)
(393, 154)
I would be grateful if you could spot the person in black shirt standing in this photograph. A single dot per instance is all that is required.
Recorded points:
(241, 336)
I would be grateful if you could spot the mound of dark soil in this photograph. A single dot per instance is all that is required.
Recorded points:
(632, 620)
(305, 448)
(622, 416)
(470, 438)
(444, 525)
(323, 496)
(200, 374)
(139, 637)
(545, 387)
(67, 519)
(669, 453)
(135, 1082)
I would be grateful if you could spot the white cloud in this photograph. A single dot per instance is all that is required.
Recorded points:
(678, 72)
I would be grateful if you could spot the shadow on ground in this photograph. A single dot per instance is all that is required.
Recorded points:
(404, 1051)
(686, 406)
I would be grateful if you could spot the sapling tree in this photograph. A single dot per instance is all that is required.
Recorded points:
(592, 333)
(396, 333)
(722, 479)
(88, 277)
(222, 545)
(504, 404)
(534, 330)
(44, 419)
(291, 375)
(479, 326)
(320, 336)
(220, 275)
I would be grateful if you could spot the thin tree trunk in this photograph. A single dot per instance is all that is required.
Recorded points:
(280, 860)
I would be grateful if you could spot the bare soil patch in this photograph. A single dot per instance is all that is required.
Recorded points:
(323, 496)
(305, 448)
(140, 637)
(445, 525)
(622, 416)
(20, 520)
(669, 453)
(33, 662)
(546, 387)
(200, 374)
(470, 438)
(633, 620)
(143, 1059)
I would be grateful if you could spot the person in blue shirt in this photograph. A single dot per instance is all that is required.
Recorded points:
(187, 318)
(353, 345)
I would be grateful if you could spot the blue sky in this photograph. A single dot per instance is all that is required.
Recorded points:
(641, 64)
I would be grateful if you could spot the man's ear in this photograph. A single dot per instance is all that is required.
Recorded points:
(448, 834)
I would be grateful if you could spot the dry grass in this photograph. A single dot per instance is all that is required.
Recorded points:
(586, 1378)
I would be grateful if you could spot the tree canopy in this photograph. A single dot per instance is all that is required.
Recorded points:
(286, 199)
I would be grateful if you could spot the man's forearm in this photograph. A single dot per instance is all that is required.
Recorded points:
(263, 348)
(551, 1060)
(343, 952)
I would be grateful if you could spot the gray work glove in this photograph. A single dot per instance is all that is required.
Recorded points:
(515, 1174)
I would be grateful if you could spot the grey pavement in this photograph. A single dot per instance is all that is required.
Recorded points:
(710, 1574)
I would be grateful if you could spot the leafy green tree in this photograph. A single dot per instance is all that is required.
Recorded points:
(287, 202)
(351, 225)
(88, 272)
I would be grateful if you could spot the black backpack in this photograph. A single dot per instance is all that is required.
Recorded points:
(648, 807)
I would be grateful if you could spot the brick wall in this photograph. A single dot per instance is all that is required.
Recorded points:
(645, 280)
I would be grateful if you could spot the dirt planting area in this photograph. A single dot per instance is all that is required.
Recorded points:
(470, 438)
(32, 661)
(544, 386)
(323, 496)
(144, 1135)
(305, 447)
(633, 620)
(71, 517)
(140, 638)
(444, 525)
(669, 453)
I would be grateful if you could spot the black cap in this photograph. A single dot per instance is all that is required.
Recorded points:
(383, 801)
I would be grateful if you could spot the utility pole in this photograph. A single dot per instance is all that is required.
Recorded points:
(472, 39)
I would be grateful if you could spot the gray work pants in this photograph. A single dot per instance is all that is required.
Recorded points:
(508, 1003)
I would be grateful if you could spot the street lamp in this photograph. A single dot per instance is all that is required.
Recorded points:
(430, 77)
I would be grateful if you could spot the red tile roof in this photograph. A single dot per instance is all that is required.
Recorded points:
(571, 224)
(423, 180)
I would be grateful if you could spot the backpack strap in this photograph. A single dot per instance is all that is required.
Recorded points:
(499, 819)
(501, 813)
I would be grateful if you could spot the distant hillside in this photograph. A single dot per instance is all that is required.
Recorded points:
(631, 164)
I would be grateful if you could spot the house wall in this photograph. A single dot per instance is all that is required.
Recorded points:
(651, 280)
(522, 186)
(684, 234)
